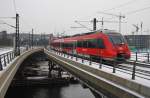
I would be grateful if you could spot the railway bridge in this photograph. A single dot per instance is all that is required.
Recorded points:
(99, 80)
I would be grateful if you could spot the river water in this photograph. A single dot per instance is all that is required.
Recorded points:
(70, 91)
(66, 91)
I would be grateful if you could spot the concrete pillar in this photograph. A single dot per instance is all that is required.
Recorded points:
(50, 68)
(59, 73)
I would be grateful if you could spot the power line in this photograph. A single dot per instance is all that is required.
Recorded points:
(139, 10)
(121, 5)
(119, 16)
(78, 22)
(26, 23)
(7, 17)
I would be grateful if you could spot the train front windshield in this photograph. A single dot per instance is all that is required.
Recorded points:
(116, 39)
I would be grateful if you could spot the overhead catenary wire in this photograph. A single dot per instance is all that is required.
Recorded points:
(83, 25)
(9, 17)
(128, 3)
(24, 21)
(138, 10)
(121, 5)
(15, 10)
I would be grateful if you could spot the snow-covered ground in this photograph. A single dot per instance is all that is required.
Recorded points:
(8, 49)
(139, 78)
(5, 50)
(143, 57)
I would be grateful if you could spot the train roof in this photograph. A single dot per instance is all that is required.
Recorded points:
(87, 35)
(105, 31)
(78, 34)
(109, 31)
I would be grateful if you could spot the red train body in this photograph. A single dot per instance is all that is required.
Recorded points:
(102, 44)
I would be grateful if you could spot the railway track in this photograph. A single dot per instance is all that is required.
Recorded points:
(138, 70)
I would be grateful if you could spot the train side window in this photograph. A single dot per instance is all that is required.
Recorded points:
(100, 43)
(70, 45)
(85, 44)
(92, 43)
(74, 44)
(79, 43)
(65, 45)
(62, 45)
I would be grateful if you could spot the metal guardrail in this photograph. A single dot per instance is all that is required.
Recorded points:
(115, 65)
(5, 59)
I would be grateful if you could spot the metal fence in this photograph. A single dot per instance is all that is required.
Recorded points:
(134, 68)
(5, 59)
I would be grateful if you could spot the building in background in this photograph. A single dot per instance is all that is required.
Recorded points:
(3, 35)
(138, 42)
(25, 39)
(4, 39)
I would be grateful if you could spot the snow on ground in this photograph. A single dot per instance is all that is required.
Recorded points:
(5, 50)
(143, 57)
(119, 72)
(8, 49)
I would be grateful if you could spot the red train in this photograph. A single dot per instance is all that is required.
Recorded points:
(104, 44)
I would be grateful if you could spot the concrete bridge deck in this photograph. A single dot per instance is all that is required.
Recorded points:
(101, 81)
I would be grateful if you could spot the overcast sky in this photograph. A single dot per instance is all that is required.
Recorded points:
(53, 16)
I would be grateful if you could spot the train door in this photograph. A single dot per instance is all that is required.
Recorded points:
(101, 47)
(74, 47)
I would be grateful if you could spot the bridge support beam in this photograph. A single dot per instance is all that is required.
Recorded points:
(59, 72)
(96, 94)
(53, 66)
(50, 67)
(101, 81)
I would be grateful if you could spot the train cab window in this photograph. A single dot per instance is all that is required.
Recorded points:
(100, 43)
(116, 38)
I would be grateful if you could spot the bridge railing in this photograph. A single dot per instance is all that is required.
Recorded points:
(5, 59)
(134, 68)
